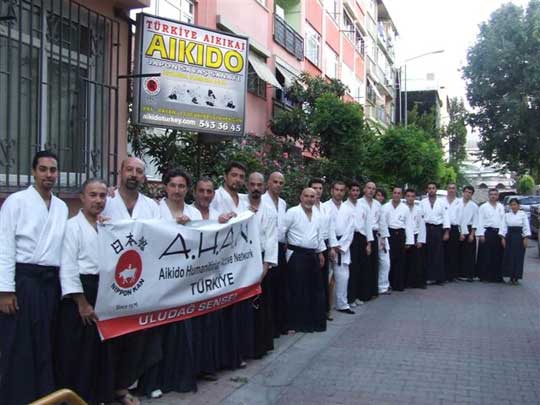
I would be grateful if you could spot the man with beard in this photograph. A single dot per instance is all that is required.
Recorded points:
(137, 352)
(341, 236)
(318, 186)
(262, 304)
(380, 234)
(453, 206)
(468, 223)
(176, 370)
(237, 319)
(305, 245)
(490, 251)
(32, 224)
(395, 215)
(278, 275)
(208, 346)
(435, 216)
(360, 247)
(416, 238)
(85, 364)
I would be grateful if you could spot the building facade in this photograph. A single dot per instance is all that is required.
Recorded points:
(65, 67)
(61, 88)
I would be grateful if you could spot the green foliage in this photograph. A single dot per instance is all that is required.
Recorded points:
(427, 122)
(525, 185)
(456, 130)
(503, 86)
(406, 156)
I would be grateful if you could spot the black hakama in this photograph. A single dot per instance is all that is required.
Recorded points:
(451, 254)
(171, 349)
(325, 273)
(277, 277)
(373, 260)
(490, 255)
(306, 297)
(434, 253)
(468, 257)
(84, 364)
(246, 331)
(414, 266)
(207, 343)
(231, 355)
(27, 338)
(358, 270)
(397, 275)
(263, 320)
(514, 253)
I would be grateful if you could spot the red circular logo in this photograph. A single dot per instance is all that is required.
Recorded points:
(128, 269)
(152, 86)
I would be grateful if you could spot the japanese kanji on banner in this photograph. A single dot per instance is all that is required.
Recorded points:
(155, 272)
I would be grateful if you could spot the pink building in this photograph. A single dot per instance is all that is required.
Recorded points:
(61, 88)
(287, 38)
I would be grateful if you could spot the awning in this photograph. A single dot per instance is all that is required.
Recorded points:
(289, 77)
(262, 71)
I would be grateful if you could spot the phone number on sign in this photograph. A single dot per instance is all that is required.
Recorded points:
(222, 126)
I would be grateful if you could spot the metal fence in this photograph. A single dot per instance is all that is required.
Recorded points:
(287, 37)
(59, 65)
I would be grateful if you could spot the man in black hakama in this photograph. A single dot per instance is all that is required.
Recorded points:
(32, 224)
(467, 253)
(305, 260)
(437, 231)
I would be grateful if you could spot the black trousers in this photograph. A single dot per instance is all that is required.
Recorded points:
(434, 253)
(414, 265)
(280, 293)
(85, 364)
(373, 260)
(397, 275)
(27, 337)
(307, 305)
(452, 254)
(490, 256)
(468, 257)
(358, 270)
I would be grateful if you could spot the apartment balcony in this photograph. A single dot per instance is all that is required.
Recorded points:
(288, 38)
(371, 95)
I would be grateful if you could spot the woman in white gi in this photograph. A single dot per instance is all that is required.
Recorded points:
(514, 233)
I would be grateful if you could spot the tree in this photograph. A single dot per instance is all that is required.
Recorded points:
(525, 185)
(456, 131)
(331, 130)
(503, 86)
(406, 155)
(426, 121)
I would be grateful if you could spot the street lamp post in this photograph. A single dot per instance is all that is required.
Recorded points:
(405, 79)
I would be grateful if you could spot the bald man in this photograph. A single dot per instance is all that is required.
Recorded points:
(305, 244)
(278, 276)
(136, 352)
(262, 304)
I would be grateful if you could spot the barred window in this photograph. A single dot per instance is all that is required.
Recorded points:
(58, 90)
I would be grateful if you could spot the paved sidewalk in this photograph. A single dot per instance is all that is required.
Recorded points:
(463, 343)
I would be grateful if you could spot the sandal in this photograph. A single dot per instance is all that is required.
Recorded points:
(127, 399)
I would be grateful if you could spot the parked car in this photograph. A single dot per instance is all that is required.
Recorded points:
(534, 220)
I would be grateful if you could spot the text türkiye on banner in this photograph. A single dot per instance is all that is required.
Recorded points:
(155, 272)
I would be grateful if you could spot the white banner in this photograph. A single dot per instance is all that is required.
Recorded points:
(155, 272)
